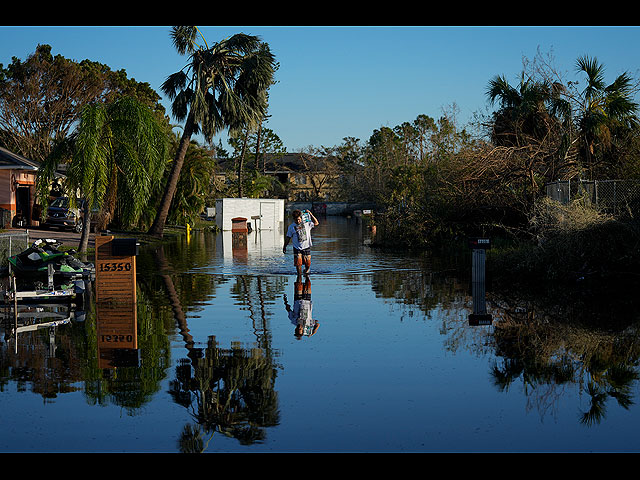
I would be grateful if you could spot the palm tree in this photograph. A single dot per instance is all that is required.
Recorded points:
(117, 155)
(529, 112)
(223, 86)
(193, 184)
(603, 108)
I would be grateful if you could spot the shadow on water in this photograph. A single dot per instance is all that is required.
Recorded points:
(213, 319)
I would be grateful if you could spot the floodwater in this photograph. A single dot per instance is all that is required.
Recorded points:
(211, 360)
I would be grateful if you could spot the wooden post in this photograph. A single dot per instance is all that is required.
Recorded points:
(115, 269)
(116, 301)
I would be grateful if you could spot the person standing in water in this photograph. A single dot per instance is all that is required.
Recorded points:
(299, 233)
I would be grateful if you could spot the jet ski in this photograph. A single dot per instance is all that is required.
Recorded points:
(34, 262)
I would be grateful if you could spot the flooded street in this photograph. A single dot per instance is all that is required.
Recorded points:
(228, 351)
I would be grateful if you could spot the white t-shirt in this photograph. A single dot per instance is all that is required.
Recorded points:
(300, 234)
(301, 315)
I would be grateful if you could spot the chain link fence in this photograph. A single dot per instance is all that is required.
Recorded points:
(11, 244)
(618, 197)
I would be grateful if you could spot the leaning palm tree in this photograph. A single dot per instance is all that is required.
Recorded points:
(222, 87)
(603, 107)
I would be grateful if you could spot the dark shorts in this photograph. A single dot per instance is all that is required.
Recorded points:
(301, 256)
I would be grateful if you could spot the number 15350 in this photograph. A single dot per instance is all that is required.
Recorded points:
(115, 267)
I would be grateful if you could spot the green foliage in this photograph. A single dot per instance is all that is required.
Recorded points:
(606, 113)
(256, 184)
(118, 152)
(223, 86)
(57, 89)
(269, 143)
(529, 112)
(193, 185)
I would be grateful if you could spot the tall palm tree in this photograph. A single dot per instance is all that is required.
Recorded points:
(603, 108)
(223, 86)
(116, 156)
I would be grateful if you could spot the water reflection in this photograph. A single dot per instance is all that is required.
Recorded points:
(206, 361)
(230, 391)
(117, 335)
(548, 346)
(301, 313)
(127, 355)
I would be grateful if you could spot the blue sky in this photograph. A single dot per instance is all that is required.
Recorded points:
(335, 82)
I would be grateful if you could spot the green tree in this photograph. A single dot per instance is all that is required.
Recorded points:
(223, 86)
(527, 113)
(603, 110)
(193, 185)
(116, 157)
(259, 145)
(41, 98)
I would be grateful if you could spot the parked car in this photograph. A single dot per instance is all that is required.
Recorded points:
(60, 215)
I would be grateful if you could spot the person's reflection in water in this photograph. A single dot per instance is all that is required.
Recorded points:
(300, 314)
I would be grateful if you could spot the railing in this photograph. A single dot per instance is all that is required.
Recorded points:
(11, 244)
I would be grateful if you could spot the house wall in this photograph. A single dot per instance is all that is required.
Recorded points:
(271, 210)
(7, 197)
(9, 180)
(329, 208)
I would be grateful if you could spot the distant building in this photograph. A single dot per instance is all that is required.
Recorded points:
(303, 177)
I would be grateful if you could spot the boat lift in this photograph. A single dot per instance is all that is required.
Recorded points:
(31, 310)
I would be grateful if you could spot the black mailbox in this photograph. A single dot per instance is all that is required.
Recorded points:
(124, 247)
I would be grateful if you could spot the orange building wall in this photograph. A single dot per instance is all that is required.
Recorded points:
(7, 192)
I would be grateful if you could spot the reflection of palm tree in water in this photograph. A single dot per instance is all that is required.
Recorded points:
(233, 388)
(174, 300)
(300, 315)
(603, 365)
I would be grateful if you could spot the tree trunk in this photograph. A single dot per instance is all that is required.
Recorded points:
(258, 148)
(157, 228)
(176, 306)
(241, 164)
(109, 206)
(86, 229)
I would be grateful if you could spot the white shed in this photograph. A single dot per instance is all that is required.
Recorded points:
(262, 213)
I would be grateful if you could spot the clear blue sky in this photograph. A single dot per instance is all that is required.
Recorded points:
(335, 82)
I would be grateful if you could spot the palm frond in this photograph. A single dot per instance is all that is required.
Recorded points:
(184, 39)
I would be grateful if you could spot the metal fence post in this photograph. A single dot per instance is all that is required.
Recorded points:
(479, 247)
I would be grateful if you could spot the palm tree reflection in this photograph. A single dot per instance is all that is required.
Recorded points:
(545, 355)
(230, 391)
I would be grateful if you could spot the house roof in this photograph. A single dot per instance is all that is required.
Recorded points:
(13, 161)
(274, 163)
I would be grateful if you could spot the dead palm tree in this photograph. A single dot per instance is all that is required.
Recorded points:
(222, 87)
